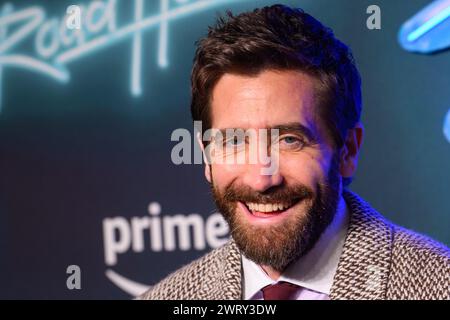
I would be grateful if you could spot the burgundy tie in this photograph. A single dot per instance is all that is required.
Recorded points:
(280, 291)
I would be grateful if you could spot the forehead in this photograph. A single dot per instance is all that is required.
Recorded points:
(269, 99)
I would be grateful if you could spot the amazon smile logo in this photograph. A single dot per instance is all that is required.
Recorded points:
(157, 233)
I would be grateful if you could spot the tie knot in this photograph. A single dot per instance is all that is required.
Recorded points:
(280, 291)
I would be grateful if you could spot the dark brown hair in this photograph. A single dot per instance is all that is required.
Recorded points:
(282, 38)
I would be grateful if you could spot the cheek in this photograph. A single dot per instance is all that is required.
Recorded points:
(304, 168)
(224, 174)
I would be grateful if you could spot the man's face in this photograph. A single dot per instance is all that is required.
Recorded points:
(275, 218)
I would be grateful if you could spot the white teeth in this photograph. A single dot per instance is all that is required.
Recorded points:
(270, 207)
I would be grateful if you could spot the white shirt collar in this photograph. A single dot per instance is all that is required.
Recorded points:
(314, 271)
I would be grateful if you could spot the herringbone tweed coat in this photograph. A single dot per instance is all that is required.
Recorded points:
(379, 261)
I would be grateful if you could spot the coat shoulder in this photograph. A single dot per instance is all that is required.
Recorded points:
(381, 260)
(192, 281)
(420, 267)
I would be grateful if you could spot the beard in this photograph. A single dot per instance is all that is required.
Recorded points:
(281, 244)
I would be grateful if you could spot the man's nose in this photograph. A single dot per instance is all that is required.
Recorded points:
(259, 179)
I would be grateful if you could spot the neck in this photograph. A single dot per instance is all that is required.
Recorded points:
(271, 272)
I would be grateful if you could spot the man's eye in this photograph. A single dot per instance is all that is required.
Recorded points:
(291, 142)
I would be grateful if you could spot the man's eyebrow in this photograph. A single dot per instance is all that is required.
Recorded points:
(291, 127)
(296, 127)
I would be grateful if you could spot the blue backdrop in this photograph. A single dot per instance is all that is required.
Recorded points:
(86, 118)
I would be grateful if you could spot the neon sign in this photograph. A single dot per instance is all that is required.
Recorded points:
(56, 45)
(428, 31)
(447, 126)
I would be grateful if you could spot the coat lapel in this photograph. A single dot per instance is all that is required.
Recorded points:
(227, 278)
(363, 268)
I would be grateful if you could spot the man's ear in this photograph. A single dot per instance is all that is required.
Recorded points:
(205, 158)
(350, 151)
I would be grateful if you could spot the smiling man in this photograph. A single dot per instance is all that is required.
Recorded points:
(297, 232)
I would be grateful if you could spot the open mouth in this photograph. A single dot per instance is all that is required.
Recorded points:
(268, 210)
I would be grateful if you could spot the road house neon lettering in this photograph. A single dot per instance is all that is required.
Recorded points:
(56, 45)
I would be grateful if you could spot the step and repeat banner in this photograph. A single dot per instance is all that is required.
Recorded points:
(91, 204)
